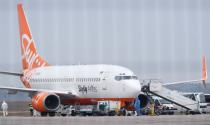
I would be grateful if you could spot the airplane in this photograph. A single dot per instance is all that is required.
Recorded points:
(50, 86)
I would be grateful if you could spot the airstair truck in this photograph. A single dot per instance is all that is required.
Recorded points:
(156, 88)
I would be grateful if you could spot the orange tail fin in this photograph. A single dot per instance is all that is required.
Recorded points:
(204, 71)
(30, 57)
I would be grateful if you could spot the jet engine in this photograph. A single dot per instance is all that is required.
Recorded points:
(144, 100)
(46, 102)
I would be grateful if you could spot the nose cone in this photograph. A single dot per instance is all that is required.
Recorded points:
(133, 86)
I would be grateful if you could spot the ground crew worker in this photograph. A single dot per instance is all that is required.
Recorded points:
(137, 106)
(123, 111)
(31, 109)
(152, 109)
(35, 113)
(4, 108)
(156, 107)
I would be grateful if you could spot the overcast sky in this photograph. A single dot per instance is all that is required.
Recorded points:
(154, 38)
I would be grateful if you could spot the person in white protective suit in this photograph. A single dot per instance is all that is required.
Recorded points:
(4, 108)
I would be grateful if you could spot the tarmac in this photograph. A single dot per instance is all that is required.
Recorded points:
(108, 120)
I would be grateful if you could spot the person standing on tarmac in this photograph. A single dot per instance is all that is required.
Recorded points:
(30, 109)
(137, 106)
(4, 108)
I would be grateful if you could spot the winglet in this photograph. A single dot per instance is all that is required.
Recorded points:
(204, 71)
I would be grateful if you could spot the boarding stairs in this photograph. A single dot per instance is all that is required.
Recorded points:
(156, 88)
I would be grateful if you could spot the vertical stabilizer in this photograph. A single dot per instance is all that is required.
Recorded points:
(30, 57)
(204, 71)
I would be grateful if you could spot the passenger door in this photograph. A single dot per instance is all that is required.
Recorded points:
(104, 80)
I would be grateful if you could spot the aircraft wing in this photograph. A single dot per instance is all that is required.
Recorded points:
(203, 79)
(32, 91)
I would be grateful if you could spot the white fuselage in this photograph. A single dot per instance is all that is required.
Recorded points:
(88, 81)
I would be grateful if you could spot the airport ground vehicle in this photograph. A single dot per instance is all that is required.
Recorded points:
(190, 103)
(168, 107)
(199, 98)
(165, 107)
(84, 110)
(102, 108)
(110, 108)
(207, 98)
(66, 110)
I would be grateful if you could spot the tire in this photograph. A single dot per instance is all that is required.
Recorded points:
(171, 113)
(112, 113)
(51, 114)
(43, 114)
(73, 113)
(63, 115)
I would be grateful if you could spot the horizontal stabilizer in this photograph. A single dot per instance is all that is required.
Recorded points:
(11, 73)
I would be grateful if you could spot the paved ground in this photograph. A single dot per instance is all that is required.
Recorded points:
(116, 120)
(17, 108)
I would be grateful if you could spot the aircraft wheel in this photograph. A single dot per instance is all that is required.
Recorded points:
(44, 114)
(63, 114)
(51, 114)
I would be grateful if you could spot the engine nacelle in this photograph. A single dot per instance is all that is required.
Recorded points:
(46, 102)
(144, 100)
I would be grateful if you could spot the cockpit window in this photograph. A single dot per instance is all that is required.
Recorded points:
(118, 78)
(134, 77)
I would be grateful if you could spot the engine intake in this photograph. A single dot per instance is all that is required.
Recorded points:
(46, 102)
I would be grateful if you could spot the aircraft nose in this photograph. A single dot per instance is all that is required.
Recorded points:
(135, 85)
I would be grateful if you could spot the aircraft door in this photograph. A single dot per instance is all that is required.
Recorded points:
(104, 79)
